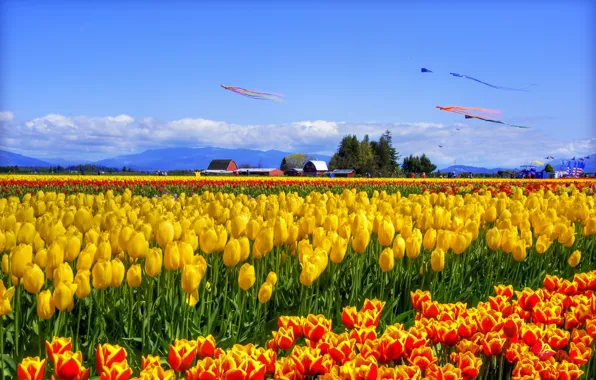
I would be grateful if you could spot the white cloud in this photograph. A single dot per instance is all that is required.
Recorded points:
(95, 138)
(6, 116)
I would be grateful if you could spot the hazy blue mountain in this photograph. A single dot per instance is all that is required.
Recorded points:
(589, 162)
(470, 169)
(65, 162)
(14, 159)
(196, 158)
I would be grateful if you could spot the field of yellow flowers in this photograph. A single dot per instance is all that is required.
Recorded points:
(115, 276)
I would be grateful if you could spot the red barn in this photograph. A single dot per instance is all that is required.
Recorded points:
(226, 165)
(315, 168)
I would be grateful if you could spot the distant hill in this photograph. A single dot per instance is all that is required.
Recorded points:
(196, 158)
(589, 162)
(14, 159)
(470, 169)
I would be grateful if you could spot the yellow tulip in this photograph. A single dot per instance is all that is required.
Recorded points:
(137, 246)
(134, 276)
(437, 260)
(117, 273)
(45, 305)
(338, 250)
(190, 278)
(21, 256)
(386, 232)
(64, 296)
(63, 273)
(360, 240)
(165, 233)
(444, 238)
(519, 250)
(86, 258)
(72, 249)
(5, 259)
(83, 284)
(246, 277)
(386, 260)
(493, 239)
(10, 241)
(264, 241)
(271, 278)
(459, 244)
(543, 244)
(430, 238)
(413, 247)
(26, 234)
(265, 292)
(490, 215)
(172, 256)
(574, 259)
(252, 229)
(208, 241)
(399, 247)
(38, 243)
(244, 248)
(33, 278)
(82, 220)
(280, 233)
(232, 253)
(102, 274)
(103, 252)
(186, 253)
(153, 262)
(239, 226)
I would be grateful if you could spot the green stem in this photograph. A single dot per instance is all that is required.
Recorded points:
(17, 322)
(2, 347)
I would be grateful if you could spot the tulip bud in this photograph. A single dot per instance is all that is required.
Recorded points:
(82, 220)
(437, 260)
(72, 249)
(117, 273)
(137, 246)
(26, 234)
(45, 305)
(430, 238)
(386, 260)
(399, 247)
(361, 240)
(244, 248)
(190, 278)
(33, 278)
(493, 239)
(386, 232)
(338, 250)
(63, 296)
(265, 292)
(22, 256)
(271, 278)
(62, 273)
(153, 262)
(172, 257)
(82, 280)
(186, 253)
(165, 234)
(134, 276)
(574, 259)
(102, 274)
(208, 241)
(231, 255)
(246, 277)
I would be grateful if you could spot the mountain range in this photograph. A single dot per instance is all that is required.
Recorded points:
(199, 158)
(164, 159)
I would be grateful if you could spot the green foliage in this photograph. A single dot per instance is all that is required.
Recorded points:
(296, 160)
(378, 158)
(418, 164)
(549, 168)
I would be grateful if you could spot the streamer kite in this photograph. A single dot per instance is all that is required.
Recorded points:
(255, 94)
(425, 70)
(467, 112)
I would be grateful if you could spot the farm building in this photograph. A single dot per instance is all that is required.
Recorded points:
(260, 172)
(343, 173)
(315, 168)
(294, 172)
(226, 165)
(218, 172)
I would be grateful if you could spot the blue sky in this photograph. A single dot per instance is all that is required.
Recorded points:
(103, 79)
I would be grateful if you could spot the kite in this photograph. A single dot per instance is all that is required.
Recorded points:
(495, 121)
(550, 158)
(539, 163)
(255, 94)
(467, 112)
(425, 70)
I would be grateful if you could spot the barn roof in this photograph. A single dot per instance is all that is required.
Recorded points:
(219, 164)
(319, 165)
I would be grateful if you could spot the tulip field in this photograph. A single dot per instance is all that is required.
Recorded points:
(142, 277)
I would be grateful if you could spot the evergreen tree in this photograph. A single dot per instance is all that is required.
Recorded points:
(549, 168)
(284, 165)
